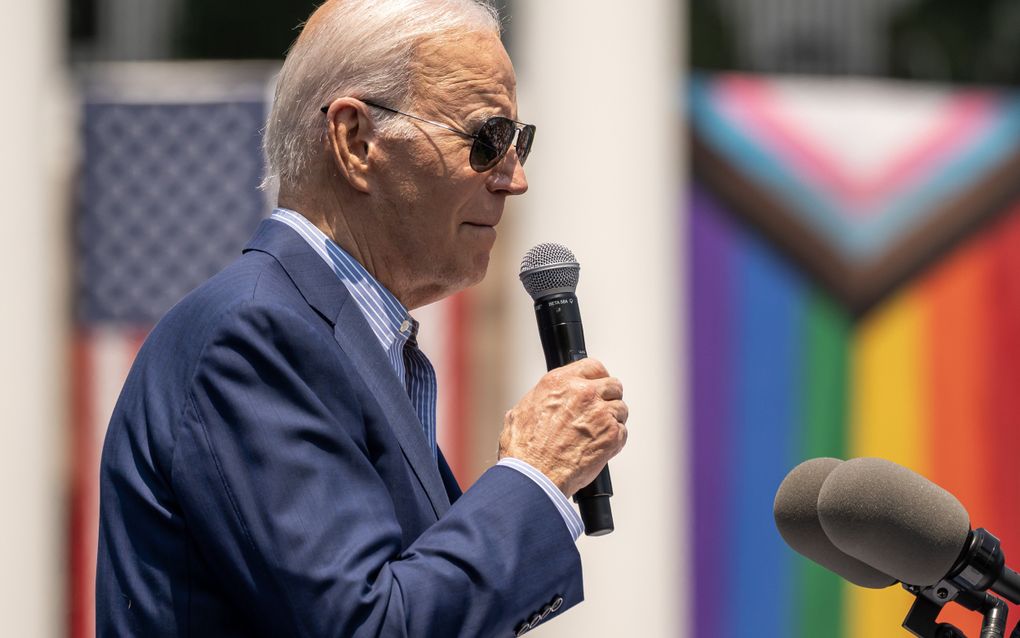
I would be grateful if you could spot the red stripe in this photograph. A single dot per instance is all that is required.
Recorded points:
(85, 436)
(82, 563)
(975, 373)
(1002, 451)
(135, 338)
(458, 364)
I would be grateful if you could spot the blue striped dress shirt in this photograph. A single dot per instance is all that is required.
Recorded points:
(397, 332)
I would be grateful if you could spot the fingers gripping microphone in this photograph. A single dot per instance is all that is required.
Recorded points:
(796, 514)
(549, 273)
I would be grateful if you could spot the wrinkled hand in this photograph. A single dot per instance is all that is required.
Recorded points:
(569, 425)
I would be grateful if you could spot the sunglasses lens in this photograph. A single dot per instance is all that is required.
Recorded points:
(524, 140)
(492, 143)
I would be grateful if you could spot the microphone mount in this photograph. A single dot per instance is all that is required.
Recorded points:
(922, 620)
(981, 566)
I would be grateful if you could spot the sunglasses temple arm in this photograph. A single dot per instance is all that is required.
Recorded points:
(325, 109)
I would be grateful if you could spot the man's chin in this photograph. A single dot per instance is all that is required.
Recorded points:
(476, 273)
(456, 280)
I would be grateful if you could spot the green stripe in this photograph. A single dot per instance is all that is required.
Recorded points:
(819, 598)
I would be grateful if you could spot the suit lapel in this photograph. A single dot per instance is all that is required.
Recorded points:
(328, 296)
(357, 340)
(453, 491)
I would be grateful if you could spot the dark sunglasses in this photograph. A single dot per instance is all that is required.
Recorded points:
(491, 142)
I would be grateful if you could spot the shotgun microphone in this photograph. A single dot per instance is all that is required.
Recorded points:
(549, 273)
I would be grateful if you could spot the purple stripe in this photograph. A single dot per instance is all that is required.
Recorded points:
(711, 263)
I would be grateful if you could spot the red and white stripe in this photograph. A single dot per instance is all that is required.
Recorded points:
(101, 358)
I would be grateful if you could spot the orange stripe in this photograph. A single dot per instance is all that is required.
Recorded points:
(957, 303)
(957, 316)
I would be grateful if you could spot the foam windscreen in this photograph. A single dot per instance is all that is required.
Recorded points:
(893, 519)
(796, 513)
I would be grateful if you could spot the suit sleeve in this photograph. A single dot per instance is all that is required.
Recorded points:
(279, 495)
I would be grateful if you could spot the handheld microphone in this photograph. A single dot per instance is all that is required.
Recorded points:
(796, 514)
(904, 525)
(550, 273)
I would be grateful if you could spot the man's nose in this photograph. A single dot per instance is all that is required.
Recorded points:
(508, 176)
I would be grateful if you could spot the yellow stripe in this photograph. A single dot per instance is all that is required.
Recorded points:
(887, 419)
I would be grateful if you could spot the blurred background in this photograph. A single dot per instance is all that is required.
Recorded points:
(854, 230)
(799, 229)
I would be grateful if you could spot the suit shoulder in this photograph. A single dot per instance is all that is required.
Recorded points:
(252, 277)
(255, 282)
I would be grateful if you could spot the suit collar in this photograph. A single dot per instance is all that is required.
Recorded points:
(323, 291)
(328, 296)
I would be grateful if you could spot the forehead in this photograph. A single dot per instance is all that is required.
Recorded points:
(467, 72)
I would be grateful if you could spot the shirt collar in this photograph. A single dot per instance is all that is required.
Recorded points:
(389, 320)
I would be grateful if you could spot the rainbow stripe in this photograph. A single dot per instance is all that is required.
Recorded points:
(929, 379)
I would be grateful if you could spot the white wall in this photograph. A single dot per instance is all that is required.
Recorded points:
(33, 130)
(602, 82)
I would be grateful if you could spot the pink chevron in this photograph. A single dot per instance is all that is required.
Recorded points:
(749, 102)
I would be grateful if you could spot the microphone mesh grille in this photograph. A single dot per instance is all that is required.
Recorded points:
(548, 267)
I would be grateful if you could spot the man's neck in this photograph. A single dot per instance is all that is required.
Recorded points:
(339, 221)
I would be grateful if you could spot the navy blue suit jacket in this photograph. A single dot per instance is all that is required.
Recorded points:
(265, 474)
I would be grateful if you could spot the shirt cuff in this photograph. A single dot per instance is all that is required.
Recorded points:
(566, 510)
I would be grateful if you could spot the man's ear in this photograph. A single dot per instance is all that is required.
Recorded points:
(350, 136)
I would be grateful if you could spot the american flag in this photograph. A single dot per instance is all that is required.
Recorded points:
(167, 195)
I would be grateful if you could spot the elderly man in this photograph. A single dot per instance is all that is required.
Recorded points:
(271, 467)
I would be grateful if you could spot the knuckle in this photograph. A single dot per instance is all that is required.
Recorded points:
(580, 388)
(552, 377)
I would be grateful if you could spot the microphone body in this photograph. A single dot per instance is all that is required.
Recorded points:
(559, 327)
(549, 273)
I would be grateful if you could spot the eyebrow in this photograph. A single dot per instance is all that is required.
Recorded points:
(483, 113)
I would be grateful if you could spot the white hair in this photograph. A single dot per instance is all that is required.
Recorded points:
(361, 48)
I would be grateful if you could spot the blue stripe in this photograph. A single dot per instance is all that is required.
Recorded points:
(766, 417)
